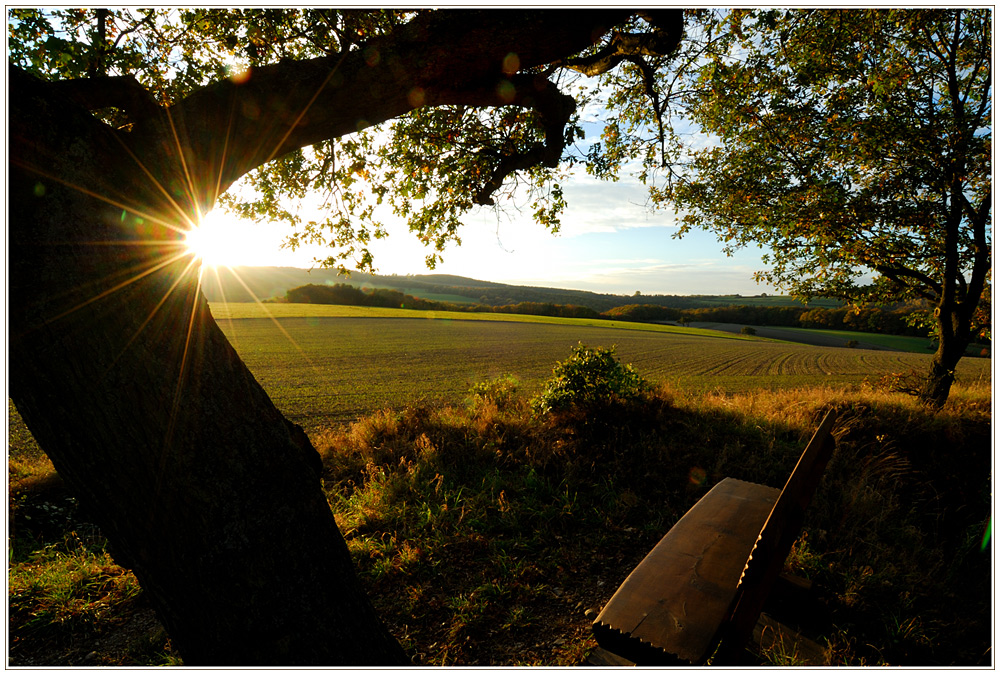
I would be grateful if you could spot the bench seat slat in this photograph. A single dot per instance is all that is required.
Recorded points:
(671, 606)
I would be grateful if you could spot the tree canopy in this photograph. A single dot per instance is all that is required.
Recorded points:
(437, 153)
(125, 127)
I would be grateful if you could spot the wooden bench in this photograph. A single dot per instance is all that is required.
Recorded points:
(699, 592)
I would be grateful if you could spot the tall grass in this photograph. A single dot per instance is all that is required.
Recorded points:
(498, 527)
(485, 531)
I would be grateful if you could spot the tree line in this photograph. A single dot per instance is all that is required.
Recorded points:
(346, 294)
(900, 319)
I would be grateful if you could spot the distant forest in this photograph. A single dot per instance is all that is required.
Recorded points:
(263, 283)
(886, 320)
(453, 293)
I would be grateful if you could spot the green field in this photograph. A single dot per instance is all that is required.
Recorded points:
(250, 310)
(323, 363)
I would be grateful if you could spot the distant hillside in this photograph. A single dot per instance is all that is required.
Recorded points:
(272, 282)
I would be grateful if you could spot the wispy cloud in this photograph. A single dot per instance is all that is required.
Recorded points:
(602, 206)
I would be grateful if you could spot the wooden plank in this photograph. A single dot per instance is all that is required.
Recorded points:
(779, 532)
(796, 648)
(599, 656)
(670, 608)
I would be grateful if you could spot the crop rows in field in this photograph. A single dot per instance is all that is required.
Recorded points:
(319, 369)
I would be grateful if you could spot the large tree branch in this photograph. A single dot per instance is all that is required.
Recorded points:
(981, 258)
(222, 131)
(454, 57)
(434, 57)
(668, 28)
(529, 91)
(923, 285)
(123, 92)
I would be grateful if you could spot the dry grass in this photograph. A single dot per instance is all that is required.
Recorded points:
(455, 508)
(484, 532)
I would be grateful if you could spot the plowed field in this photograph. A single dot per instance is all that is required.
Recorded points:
(324, 368)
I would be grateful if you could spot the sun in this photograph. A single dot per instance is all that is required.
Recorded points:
(220, 241)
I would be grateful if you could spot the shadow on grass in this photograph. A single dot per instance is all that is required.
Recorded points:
(542, 518)
(485, 533)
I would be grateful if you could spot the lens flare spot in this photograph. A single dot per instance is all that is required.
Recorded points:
(417, 97)
(697, 476)
(506, 92)
(237, 74)
(511, 64)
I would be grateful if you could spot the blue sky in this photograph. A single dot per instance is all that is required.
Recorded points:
(610, 242)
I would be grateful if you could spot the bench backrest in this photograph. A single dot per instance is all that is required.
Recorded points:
(775, 541)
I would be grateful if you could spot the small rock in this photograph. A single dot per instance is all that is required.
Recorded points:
(591, 613)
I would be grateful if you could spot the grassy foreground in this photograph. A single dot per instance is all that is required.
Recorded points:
(485, 533)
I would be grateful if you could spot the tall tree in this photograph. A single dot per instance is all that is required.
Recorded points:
(854, 144)
(125, 128)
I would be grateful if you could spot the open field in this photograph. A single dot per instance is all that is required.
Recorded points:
(822, 337)
(485, 535)
(249, 310)
(341, 365)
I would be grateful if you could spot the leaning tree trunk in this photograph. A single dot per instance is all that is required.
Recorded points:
(954, 337)
(122, 375)
(202, 487)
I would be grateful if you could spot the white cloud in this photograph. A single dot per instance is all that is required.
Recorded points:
(602, 206)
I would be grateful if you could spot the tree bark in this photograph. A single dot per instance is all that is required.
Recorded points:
(954, 335)
(201, 486)
(204, 490)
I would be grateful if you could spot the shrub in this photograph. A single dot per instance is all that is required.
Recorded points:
(589, 377)
(500, 391)
(748, 330)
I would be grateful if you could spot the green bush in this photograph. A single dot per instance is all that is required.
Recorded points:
(590, 377)
(500, 391)
(748, 330)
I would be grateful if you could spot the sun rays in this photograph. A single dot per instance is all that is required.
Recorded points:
(153, 243)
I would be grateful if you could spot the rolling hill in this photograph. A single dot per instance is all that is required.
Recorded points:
(262, 283)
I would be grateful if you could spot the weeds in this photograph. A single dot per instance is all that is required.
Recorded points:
(589, 378)
(484, 532)
(546, 503)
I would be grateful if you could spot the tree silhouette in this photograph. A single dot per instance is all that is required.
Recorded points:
(126, 127)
